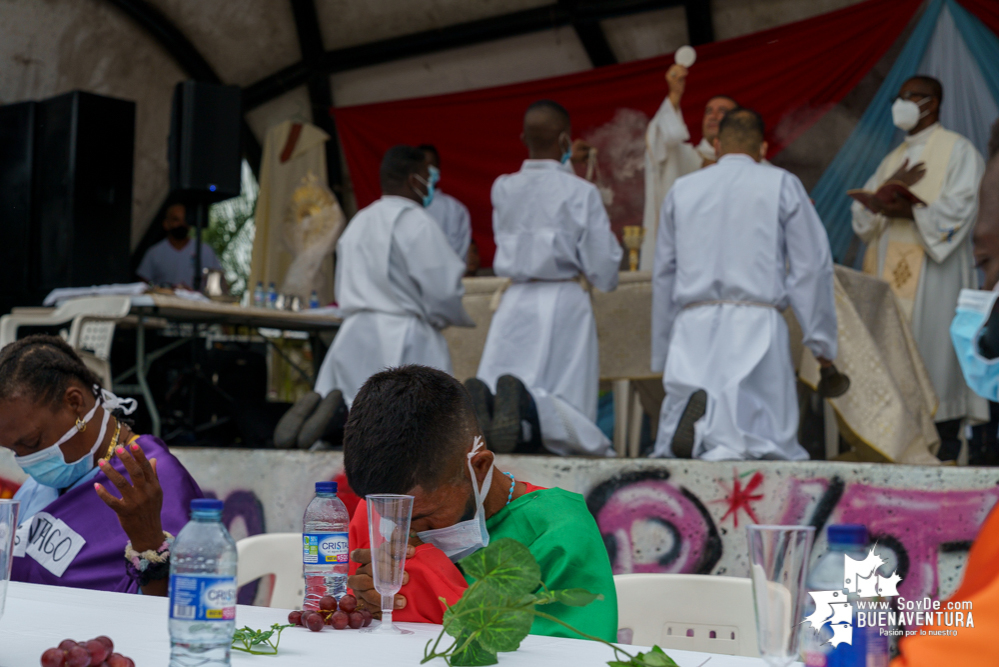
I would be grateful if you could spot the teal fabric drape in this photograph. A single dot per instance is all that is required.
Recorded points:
(981, 42)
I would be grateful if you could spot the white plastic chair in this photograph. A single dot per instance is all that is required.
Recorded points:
(279, 554)
(92, 322)
(689, 612)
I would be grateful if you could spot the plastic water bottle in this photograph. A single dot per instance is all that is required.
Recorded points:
(258, 294)
(313, 300)
(324, 546)
(202, 589)
(868, 648)
(271, 296)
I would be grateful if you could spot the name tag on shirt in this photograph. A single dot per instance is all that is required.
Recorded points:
(48, 540)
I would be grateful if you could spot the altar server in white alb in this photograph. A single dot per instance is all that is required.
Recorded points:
(398, 282)
(669, 153)
(449, 213)
(738, 242)
(924, 252)
(540, 358)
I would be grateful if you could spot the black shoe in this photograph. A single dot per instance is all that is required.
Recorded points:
(482, 402)
(514, 407)
(287, 429)
(327, 420)
(683, 438)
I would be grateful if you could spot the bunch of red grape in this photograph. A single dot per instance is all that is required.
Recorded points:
(94, 653)
(339, 616)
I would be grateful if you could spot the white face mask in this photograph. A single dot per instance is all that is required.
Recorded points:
(906, 114)
(465, 537)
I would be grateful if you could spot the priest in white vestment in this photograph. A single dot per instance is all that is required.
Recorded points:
(924, 252)
(738, 242)
(553, 240)
(398, 283)
(449, 213)
(669, 155)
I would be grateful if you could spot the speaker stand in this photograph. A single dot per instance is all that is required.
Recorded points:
(200, 215)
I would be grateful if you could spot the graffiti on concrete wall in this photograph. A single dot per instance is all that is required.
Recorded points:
(666, 515)
(911, 527)
(653, 522)
(650, 525)
(243, 516)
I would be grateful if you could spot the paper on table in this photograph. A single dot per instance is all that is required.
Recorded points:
(61, 294)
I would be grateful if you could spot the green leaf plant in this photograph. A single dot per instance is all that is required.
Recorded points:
(258, 642)
(495, 613)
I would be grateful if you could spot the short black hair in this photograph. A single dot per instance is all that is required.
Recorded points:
(726, 97)
(398, 163)
(745, 123)
(41, 368)
(551, 105)
(934, 85)
(430, 148)
(406, 428)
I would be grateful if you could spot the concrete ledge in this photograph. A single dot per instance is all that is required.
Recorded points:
(667, 515)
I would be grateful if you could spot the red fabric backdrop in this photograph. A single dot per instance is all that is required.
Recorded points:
(987, 12)
(792, 75)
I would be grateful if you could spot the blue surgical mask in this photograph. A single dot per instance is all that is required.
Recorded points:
(973, 309)
(567, 155)
(465, 537)
(435, 174)
(430, 186)
(49, 466)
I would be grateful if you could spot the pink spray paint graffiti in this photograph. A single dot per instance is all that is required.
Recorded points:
(915, 525)
(649, 525)
(244, 505)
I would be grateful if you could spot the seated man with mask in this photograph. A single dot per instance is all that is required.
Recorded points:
(171, 261)
(413, 430)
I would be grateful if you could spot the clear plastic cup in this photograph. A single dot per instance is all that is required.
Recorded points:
(8, 526)
(778, 562)
(388, 526)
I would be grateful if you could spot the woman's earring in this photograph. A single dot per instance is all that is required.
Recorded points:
(81, 425)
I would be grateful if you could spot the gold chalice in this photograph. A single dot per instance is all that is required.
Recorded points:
(633, 235)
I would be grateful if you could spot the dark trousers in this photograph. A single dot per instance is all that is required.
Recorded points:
(950, 439)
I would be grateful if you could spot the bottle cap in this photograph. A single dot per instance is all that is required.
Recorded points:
(325, 487)
(206, 505)
(847, 533)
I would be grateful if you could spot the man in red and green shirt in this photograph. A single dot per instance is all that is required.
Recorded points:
(413, 430)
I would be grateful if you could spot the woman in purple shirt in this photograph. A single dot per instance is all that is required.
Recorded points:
(67, 434)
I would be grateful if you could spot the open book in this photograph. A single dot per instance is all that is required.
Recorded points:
(886, 193)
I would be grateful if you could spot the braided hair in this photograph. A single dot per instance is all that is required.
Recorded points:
(42, 367)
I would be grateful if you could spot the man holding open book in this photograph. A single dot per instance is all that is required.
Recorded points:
(915, 217)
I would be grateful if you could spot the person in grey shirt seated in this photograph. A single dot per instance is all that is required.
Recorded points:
(171, 261)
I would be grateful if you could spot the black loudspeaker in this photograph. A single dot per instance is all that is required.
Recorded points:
(16, 163)
(84, 146)
(65, 194)
(204, 155)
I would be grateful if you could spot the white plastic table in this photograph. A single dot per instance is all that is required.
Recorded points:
(39, 617)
